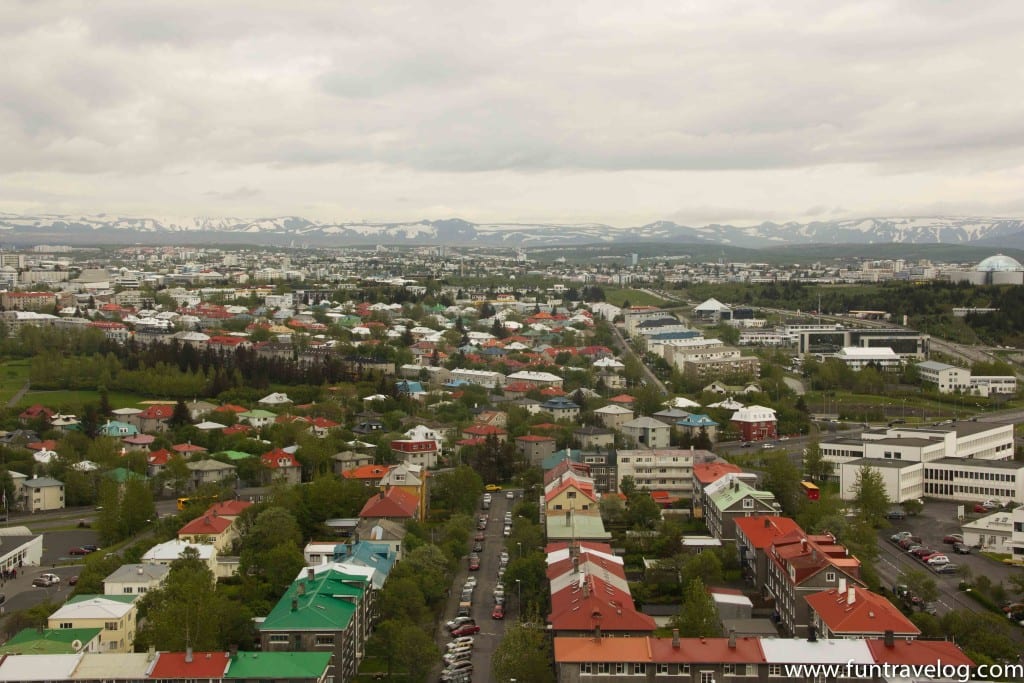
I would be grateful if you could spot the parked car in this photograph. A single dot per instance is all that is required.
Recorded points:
(73, 581)
(498, 612)
(937, 560)
(948, 568)
(466, 630)
(492, 487)
(899, 536)
(471, 581)
(507, 531)
(464, 641)
(952, 538)
(908, 542)
(961, 549)
(896, 513)
(478, 547)
(459, 654)
(459, 621)
(78, 551)
(912, 548)
(982, 509)
(458, 671)
(481, 523)
(510, 495)
(923, 552)
(480, 536)
(474, 563)
(91, 548)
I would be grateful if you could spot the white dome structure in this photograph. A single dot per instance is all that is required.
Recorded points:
(1000, 263)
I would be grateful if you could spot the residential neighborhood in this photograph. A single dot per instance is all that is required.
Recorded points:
(288, 461)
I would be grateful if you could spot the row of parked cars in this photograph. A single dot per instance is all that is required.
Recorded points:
(937, 560)
(458, 656)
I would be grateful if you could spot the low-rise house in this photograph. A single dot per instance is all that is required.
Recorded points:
(592, 438)
(210, 529)
(393, 504)
(534, 448)
(347, 460)
(369, 475)
(42, 493)
(561, 408)
(115, 614)
(53, 641)
(135, 579)
(421, 453)
(382, 531)
(210, 472)
(755, 423)
(412, 480)
(646, 432)
(118, 430)
(282, 465)
(755, 537)
(153, 419)
(731, 498)
(855, 612)
(484, 431)
(258, 418)
(694, 425)
(275, 399)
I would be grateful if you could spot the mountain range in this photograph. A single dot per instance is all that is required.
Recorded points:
(296, 231)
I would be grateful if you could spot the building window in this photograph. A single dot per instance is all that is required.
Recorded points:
(830, 577)
(727, 669)
(127, 589)
(279, 638)
(66, 624)
(603, 668)
(748, 503)
(110, 625)
(585, 667)
(324, 640)
(685, 669)
(620, 668)
(639, 669)
(707, 677)
(775, 670)
(663, 669)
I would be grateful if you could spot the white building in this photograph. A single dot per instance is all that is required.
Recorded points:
(948, 378)
(669, 470)
(993, 532)
(646, 432)
(135, 579)
(993, 384)
(857, 358)
(1017, 536)
(484, 378)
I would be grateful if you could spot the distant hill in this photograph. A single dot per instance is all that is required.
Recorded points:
(298, 231)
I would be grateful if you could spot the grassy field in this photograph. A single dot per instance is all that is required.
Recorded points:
(73, 401)
(634, 296)
(13, 374)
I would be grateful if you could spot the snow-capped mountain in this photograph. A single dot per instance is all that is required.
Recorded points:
(295, 230)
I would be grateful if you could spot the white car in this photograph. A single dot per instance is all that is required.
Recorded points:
(471, 581)
(464, 641)
(937, 560)
(510, 495)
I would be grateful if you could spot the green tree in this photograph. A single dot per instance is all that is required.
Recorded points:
(136, 508)
(180, 416)
(697, 617)
(641, 511)
(782, 478)
(456, 490)
(921, 585)
(870, 496)
(815, 465)
(524, 654)
(273, 529)
(186, 611)
(35, 617)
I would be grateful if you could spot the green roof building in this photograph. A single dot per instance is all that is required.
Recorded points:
(325, 608)
(731, 497)
(53, 641)
(294, 667)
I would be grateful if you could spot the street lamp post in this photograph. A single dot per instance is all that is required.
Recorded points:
(519, 599)
(519, 545)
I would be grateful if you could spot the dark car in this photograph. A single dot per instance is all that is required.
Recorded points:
(78, 551)
(961, 548)
(948, 568)
(90, 548)
(896, 513)
(73, 581)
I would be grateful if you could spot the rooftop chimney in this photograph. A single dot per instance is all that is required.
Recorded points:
(812, 634)
(675, 638)
(568, 516)
(842, 585)
(233, 650)
(140, 570)
(302, 589)
(890, 639)
(767, 523)
(597, 632)
(310, 574)
(295, 604)
(188, 654)
(575, 565)
(851, 596)
(732, 639)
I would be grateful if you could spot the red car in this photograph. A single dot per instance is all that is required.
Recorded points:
(498, 612)
(78, 551)
(73, 581)
(466, 630)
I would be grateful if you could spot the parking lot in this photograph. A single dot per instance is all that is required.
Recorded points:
(936, 521)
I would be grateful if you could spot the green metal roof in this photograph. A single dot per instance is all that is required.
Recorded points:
(731, 495)
(278, 665)
(327, 602)
(234, 455)
(127, 599)
(50, 641)
(121, 475)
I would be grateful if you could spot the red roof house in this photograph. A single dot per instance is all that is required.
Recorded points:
(394, 503)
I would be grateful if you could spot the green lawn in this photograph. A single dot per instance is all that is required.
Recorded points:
(74, 400)
(634, 296)
(13, 374)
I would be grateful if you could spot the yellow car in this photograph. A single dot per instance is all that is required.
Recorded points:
(492, 487)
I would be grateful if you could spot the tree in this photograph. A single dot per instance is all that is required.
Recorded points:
(921, 585)
(697, 617)
(137, 508)
(641, 511)
(180, 416)
(815, 465)
(186, 611)
(524, 654)
(782, 478)
(274, 537)
(870, 496)
(456, 490)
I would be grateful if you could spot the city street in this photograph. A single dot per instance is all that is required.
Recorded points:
(491, 630)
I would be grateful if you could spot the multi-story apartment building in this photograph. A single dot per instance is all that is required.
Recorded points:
(669, 470)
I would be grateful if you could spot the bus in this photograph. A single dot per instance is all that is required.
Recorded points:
(186, 501)
(811, 490)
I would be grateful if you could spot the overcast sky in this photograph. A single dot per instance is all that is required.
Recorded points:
(614, 112)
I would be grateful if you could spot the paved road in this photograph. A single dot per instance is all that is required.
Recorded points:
(491, 630)
(19, 394)
(627, 350)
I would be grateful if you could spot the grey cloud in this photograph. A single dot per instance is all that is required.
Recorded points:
(236, 194)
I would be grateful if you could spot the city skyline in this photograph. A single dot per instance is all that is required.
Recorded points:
(591, 112)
